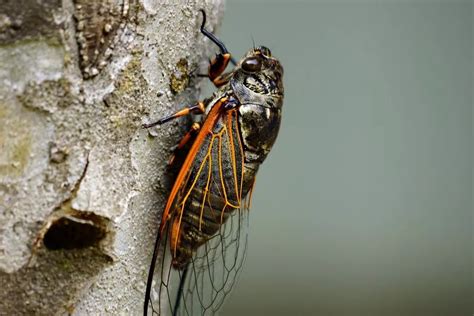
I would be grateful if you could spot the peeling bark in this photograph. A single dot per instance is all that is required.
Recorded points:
(82, 185)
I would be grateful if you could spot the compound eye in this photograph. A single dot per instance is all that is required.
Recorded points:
(252, 64)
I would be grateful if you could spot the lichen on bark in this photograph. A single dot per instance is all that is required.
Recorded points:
(76, 168)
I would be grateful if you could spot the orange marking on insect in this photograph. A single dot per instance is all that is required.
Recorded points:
(182, 112)
(209, 204)
(217, 66)
(232, 152)
(234, 171)
(220, 81)
(242, 155)
(183, 204)
(221, 173)
(202, 108)
(206, 189)
(210, 121)
(174, 234)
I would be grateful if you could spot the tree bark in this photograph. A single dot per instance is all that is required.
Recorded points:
(82, 185)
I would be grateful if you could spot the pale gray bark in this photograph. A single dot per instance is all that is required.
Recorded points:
(77, 172)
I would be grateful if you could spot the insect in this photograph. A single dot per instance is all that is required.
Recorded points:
(202, 239)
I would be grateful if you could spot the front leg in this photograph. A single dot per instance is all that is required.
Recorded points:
(182, 148)
(219, 63)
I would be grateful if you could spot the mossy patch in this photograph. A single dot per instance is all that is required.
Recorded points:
(15, 147)
(17, 155)
(179, 79)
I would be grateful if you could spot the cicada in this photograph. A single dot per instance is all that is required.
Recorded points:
(202, 238)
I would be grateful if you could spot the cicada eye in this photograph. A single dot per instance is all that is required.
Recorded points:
(252, 64)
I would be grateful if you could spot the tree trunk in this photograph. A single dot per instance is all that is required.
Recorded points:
(82, 185)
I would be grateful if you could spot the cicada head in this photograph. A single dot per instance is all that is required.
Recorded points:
(257, 82)
(258, 78)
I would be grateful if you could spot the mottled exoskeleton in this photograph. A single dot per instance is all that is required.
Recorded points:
(202, 239)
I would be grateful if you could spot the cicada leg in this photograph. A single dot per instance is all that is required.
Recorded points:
(181, 148)
(218, 64)
(197, 108)
(222, 79)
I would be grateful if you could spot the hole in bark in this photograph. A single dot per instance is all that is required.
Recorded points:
(70, 232)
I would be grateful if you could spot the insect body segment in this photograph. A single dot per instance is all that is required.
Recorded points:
(202, 237)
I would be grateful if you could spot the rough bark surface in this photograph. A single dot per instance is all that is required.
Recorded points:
(82, 185)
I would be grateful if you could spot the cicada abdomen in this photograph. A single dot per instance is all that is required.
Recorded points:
(202, 239)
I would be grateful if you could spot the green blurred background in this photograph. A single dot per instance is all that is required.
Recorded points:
(364, 206)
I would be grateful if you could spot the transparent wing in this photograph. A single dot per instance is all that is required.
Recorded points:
(210, 276)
